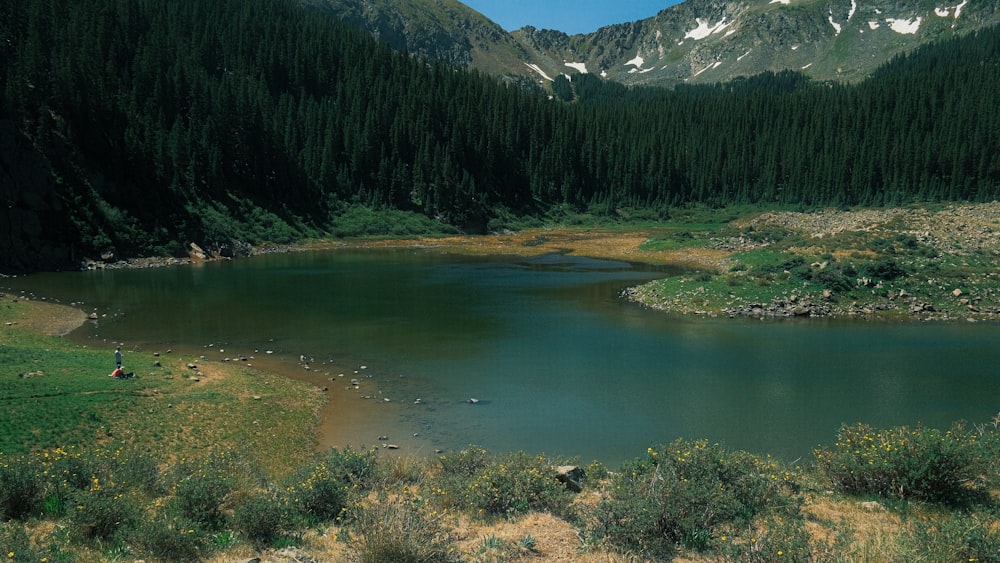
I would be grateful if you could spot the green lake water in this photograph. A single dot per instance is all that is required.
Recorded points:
(559, 362)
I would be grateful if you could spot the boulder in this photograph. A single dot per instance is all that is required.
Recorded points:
(573, 476)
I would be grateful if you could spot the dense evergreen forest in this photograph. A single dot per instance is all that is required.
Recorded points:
(137, 126)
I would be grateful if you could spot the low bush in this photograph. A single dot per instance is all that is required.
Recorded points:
(956, 537)
(400, 529)
(316, 493)
(515, 484)
(103, 513)
(16, 545)
(262, 519)
(169, 539)
(200, 487)
(780, 539)
(358, 468)
(512, 484)
(466, 462)
(905, 463)
(20, 488)
(678, 495)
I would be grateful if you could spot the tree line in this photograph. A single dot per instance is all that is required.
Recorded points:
(265, 120)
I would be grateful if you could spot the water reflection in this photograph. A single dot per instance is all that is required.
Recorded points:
(560, 363)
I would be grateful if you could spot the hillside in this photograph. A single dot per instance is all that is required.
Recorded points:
(694, 42)
(137, 128)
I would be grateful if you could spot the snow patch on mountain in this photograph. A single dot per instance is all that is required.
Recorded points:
(945, 11)
(704, 29)
(539, 70)
(905, 27)
(580, 67)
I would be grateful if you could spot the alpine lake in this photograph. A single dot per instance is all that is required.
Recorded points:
(434, 351)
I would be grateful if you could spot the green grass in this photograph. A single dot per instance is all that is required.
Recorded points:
(57, 393)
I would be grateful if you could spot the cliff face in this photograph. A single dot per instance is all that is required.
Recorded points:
(697, 41)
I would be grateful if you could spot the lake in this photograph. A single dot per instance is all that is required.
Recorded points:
(558, 362)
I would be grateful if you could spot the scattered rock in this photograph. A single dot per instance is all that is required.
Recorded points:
(871, 506)
(573, 476)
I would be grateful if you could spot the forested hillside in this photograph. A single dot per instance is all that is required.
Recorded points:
(136, 126)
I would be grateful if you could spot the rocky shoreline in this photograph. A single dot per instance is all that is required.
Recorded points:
(944, 264)
(953, 235)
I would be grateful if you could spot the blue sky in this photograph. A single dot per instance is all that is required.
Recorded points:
(571, 16)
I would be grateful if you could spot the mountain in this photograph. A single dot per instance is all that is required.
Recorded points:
(136, 127)
(697, 41)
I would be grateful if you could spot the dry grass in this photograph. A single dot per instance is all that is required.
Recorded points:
(45, 318)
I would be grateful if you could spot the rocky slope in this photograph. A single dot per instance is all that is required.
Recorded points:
(915, 263)
(697, 41)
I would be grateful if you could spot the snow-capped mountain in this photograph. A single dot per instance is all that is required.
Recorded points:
(695, 41)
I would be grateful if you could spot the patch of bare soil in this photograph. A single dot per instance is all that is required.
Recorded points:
(607, 244)
(45, 318)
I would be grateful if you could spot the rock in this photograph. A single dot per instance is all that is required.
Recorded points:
(871, 506)
(573, 476)
(288, 555)
(197, 252)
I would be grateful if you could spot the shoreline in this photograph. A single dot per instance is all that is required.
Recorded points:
(947, 254)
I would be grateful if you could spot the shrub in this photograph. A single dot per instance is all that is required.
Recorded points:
(170, 539)
(102, 513)
(466, 462)
(140, 470)
(200, 499)
(15, 544)
(201, 486)
(74, 469)
(679, 494)
(322, 490)
(516, 484)
(783, 540)
(512, 485)
(403, 530)
(885, 269)
(20, 488)
(317, 493)
(956, 537)
(905, 463)
(262, 519)
(360, 469)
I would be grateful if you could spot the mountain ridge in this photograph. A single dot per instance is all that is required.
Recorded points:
(696, 41)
